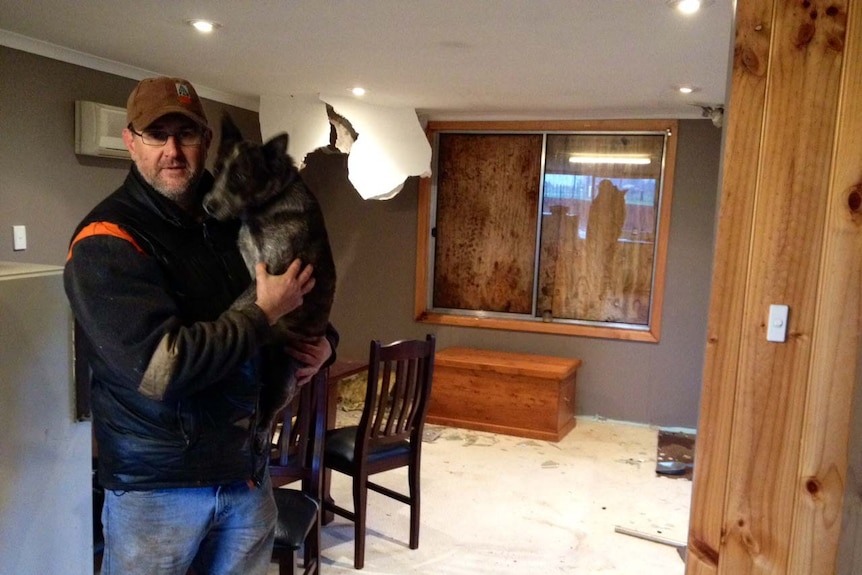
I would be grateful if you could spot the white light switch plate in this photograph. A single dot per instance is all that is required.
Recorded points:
(19, 238)
(776, 329)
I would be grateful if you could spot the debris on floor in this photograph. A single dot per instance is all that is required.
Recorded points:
(675, 454)
(655, 538)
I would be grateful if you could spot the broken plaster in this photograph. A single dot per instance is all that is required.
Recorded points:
(389, 144)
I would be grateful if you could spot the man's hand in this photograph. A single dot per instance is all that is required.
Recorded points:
(312, 354)
(280, 295)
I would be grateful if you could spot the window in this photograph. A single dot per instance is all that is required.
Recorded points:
(555, 227)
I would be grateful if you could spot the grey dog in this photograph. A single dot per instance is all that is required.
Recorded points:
(281, 220)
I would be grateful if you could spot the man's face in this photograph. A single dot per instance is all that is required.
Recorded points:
(172, 169)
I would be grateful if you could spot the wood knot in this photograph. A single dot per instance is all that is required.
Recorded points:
(750, 60)
(812, 486)
(835, 43)
(832, 10)
(804, 34)
(747, 538)
(854, 199)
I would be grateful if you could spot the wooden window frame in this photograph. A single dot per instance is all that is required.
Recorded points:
(423, 311)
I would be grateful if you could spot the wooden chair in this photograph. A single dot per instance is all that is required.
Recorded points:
(297, 455)
(389, 434)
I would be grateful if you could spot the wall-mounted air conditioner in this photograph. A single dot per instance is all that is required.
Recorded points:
(99, 130)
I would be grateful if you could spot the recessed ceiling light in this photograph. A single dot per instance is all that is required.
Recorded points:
(358, 91)
(203, 26)
(687, 89)
(688, 6)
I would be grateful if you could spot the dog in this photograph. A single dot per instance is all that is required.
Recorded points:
(281, 220)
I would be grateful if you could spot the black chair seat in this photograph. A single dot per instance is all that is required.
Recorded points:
(340, 446)
(296, 516)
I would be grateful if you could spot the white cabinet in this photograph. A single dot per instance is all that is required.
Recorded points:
(45, 455)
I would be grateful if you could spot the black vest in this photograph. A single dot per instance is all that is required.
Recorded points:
(206, 438)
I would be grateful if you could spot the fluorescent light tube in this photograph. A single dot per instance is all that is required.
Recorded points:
(609, 159)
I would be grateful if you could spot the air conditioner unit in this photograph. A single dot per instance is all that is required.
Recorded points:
(99, 130)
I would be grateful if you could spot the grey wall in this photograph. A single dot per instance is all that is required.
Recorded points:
(46, 187)
(375, 249)
(43, 184)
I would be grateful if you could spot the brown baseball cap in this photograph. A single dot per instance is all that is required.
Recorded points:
(153, 98)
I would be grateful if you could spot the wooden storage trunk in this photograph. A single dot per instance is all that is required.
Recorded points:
(511, 393)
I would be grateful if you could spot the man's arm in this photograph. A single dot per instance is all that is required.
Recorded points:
(121, 300)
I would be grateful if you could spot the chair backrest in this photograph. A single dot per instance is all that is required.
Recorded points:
(396, 398)
(297, 445)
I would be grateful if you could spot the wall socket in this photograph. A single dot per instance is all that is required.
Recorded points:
(19, 238)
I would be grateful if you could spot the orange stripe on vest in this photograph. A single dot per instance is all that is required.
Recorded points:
(103, 229)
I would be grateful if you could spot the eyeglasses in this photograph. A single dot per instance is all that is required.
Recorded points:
(188, 137)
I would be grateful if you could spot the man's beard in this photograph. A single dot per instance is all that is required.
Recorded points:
(182, 193)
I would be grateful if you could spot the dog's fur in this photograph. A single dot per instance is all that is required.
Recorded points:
(281, 221)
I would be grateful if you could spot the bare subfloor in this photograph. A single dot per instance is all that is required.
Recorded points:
(496, 504)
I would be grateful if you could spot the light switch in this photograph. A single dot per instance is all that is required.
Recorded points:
(776, 330)
(19, 238)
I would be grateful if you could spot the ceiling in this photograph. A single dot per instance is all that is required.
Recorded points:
(448, 59)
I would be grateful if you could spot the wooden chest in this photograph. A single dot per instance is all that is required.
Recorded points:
(511, 393)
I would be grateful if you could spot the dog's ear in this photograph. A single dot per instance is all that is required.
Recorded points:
(230, 135)
(276, 148)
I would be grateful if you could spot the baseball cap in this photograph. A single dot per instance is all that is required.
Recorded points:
(153, 98)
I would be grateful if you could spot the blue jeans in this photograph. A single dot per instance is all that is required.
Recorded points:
(225, 530)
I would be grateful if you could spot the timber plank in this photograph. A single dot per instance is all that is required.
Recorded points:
(761, 504)
(798, 134)
(825, 433)
(736, 220)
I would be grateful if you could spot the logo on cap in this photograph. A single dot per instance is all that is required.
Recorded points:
(183, 93)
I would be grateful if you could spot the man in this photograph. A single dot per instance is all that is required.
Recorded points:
(175, 369)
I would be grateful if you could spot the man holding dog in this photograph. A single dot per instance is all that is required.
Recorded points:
(175, 368)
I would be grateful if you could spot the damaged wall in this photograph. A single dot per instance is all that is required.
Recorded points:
(385, 145)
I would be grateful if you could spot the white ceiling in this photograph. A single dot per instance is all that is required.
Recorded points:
(577, 59)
